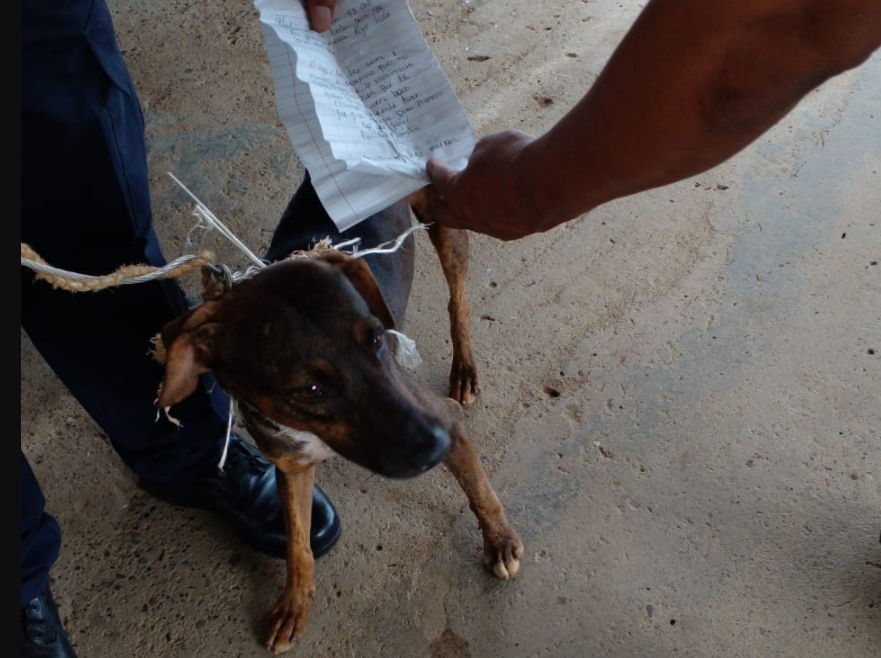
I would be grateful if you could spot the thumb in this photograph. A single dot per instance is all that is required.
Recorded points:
(439, 172)
(321, 14)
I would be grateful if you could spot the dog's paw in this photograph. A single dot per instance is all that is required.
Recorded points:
(464, 382)
(502, 553)
(287, 619)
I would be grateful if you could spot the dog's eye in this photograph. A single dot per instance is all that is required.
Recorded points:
(377, 340)
(309, 392)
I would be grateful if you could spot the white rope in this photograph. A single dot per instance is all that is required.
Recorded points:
(230, 420)
(347, 243)
(76, 276)
(208, 220)
(208, 217)
(384, 248)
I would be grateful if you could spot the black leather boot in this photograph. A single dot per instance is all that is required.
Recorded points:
(42, 635)
(245, 495)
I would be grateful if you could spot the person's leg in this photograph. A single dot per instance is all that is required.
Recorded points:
(86, 207)
(41, 631)
(40, 536)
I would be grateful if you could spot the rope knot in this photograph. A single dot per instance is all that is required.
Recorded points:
(216, 280)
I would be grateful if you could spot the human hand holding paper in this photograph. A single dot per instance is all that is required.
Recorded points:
(366, 103)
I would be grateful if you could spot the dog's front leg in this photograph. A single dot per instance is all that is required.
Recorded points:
(502, 548)
(452, 249)
(287, 619)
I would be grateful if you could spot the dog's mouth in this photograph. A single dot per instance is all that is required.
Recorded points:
(256, 420)
(419, 452)
(305, 446)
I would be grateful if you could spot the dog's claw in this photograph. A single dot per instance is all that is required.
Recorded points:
(502, 555)
(464, 384)
(500, 570)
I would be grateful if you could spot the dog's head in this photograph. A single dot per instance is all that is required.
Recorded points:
(301, 346)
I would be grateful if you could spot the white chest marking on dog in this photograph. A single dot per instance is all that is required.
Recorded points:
(312, 448)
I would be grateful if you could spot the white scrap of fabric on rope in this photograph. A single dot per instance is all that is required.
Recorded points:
(405, 351)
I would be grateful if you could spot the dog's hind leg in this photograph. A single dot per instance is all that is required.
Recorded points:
(287, 619)
(502, 548)
(452, 249)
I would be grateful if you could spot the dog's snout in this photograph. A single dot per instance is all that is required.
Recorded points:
(434, 450)
(422, 447)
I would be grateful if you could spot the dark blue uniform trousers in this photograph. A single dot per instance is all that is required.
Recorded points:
(86, 207)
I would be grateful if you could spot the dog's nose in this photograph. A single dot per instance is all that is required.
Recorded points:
(419, 447)
(434, 450)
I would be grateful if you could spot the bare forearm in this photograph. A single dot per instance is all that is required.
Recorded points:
(693, 83)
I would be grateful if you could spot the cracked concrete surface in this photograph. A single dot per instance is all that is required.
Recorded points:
(681, 403)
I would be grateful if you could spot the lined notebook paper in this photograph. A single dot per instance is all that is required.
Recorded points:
(365, 104)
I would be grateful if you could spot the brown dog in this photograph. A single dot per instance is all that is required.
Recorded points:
(301, 346)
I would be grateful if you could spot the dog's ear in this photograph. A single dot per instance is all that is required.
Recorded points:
(361, 278)
(189, 350)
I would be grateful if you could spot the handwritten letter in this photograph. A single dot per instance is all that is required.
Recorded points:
(365, 104)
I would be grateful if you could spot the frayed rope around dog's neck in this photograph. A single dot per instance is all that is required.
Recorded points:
(405, 348)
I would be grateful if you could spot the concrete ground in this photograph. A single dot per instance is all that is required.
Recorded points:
(680, 402)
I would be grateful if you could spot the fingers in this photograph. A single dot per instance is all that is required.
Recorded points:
(441, 176)
(444, 199)
(321, 13)
(438, 172)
